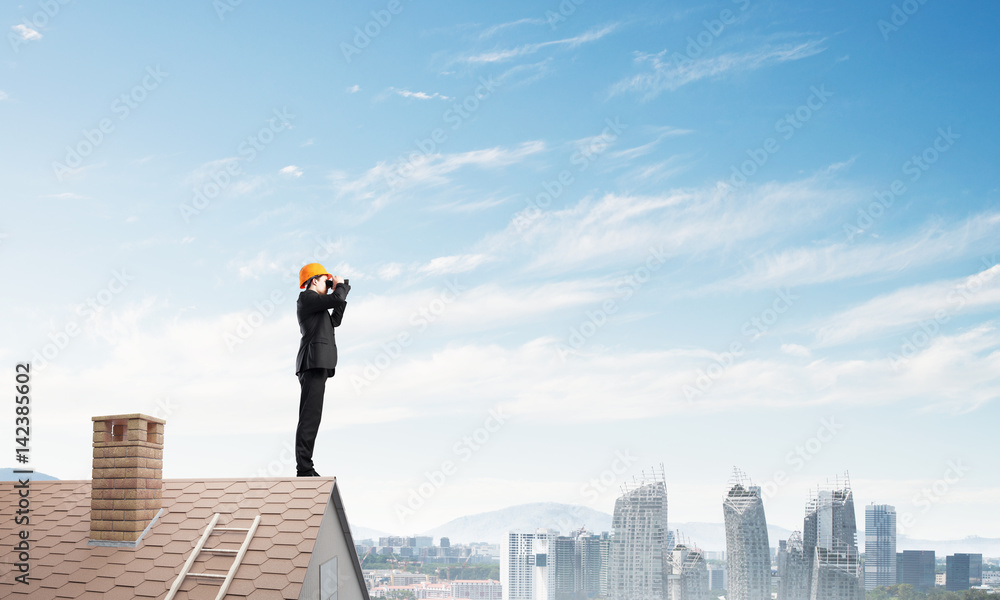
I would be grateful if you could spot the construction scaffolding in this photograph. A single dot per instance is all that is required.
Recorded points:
(639, 547)
(748, 556)
(830, 542)
(687, 575)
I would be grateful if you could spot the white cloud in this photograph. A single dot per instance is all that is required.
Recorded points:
(633, 153)
(354, 89)
(796, 350)
(3, 95)
(621, 228)
(384, 182)
(390, 271)
(494, 29)
(667, 73)
(955, 374)
(26, 33)
(444, 265)
(239, 355)
(462, 206)
(841, 260)
(933, 304)
(417, 95)
(260, 265)
(291, 171)
(496, 56)
(467, 308)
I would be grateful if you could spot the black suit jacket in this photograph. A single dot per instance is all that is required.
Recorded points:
(318, 348)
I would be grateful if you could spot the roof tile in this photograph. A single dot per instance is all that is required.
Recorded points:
(101, 584)
(270, 581)
(290, 511)
(151, 589)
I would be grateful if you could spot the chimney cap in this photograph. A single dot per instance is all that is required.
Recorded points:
(129, 416)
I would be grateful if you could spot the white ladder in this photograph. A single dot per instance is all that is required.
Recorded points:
(200, 547)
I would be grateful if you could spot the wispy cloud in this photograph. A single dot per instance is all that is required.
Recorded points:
(635, 152)
(291, 171)
(620, 228)
(663, 72)
(466, 206)
(404, 93)
(354, 89)
(533, 383)
(496, 56)
(3, 95)
(905, 308)
(445, 265)
(377, 186)
(494, 29)
(26, 33)
(838, 261)
(525, 74)
(241, 184)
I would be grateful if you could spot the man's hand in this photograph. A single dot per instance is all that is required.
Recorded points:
(337, 279)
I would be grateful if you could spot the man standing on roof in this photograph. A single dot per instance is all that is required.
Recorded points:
(317, 358)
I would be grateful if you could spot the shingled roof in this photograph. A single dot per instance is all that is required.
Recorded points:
(302, 526)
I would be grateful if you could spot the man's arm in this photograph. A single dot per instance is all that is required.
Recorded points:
(338, 309)
(313, 302)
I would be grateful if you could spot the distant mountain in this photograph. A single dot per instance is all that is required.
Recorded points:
(8, 474)
(367, 533)
(493, 526)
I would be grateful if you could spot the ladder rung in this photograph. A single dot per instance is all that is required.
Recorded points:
(200, 547)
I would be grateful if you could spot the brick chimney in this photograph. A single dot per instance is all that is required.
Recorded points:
(127, 489)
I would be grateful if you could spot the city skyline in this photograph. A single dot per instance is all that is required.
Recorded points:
(582, 238)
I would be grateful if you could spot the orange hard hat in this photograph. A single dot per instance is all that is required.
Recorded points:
(309, 271)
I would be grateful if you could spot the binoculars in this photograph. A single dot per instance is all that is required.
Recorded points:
(329, 283)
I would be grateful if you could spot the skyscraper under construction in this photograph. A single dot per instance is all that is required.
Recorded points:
(748, 557)
(687, 575)
(830, 543)
(639, 546)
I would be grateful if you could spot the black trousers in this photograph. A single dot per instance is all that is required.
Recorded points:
(313, 382)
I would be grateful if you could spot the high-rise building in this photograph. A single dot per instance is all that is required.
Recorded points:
(591, 562)
(880, 546)
(605, 565)
(748, 557)
(830, 543)
(638, 548)
(793, 569)
(963, 571)
(525, 571)
(687, 577)
(566, 563)
(716, 578)
(916, 568)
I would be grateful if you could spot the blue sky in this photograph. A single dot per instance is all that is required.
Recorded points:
(747, 233)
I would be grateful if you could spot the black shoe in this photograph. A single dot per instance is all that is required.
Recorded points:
(309, 473)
